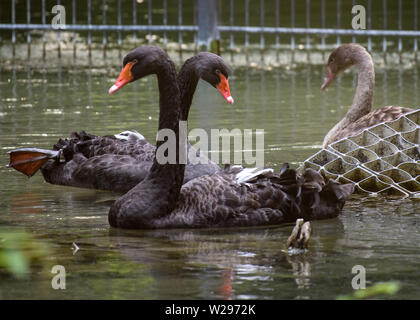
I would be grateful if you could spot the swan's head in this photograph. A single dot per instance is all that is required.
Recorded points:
(139, 63)
(213, 69)
(340, 59)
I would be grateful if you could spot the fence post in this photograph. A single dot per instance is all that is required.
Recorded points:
(208, 33)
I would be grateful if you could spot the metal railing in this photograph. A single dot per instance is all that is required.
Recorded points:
(264, 24)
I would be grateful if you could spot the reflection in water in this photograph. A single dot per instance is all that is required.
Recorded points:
(400, 86)
(224, 264)
(301, 269)
(415, 87)
(385, 88)
(293, 102)
(228, 261)
(308, 96)
(26, 203)
(225, 290)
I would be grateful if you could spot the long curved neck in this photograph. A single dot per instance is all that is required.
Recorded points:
(187, 83)
(169, 100)
(157, 195)
(166, 178)
(363, 98)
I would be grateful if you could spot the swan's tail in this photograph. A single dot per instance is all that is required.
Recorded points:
(306, 195)
(29, 160)
(74, 144)
(322, 199)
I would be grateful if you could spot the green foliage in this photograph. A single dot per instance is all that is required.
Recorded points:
(215, 47)
(18, 250)
(381, 288)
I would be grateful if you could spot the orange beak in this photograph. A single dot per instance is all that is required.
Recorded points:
(124, 78)
(223, 88)
(328, 79)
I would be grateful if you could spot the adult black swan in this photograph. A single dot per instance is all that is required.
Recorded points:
(236, 197)
(359, 116)
(120, 162)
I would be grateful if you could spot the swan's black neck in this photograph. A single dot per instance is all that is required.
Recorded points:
(158, 193)
(169, 100)
(175, 103)
(168, 176)
(187, 82)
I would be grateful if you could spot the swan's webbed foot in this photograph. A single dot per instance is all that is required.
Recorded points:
(299, 238)
(29, 160)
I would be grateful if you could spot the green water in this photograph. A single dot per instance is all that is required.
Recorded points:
(38, 107)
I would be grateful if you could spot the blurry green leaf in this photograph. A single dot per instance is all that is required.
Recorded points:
(15, 262)
(18, 250)
(381, 288)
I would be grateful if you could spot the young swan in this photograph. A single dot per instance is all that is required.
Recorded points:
(359, 116)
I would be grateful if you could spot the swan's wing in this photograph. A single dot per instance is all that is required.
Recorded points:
(112, 172)
(384, 114)
(107, 172)
(61, 173)
(141, 150)
(91, 146)
(220, 200)
(197, 170)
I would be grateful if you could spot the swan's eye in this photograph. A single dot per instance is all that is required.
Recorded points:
(217, 71)
(134, 61)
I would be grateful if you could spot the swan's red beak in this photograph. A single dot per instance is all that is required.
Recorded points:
(328, 79)
(124, 78)
(223, 88)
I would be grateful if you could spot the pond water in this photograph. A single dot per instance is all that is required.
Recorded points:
(39, 106)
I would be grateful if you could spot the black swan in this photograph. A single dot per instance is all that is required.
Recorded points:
(359, 116)
(235, 197)
(120, 162)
